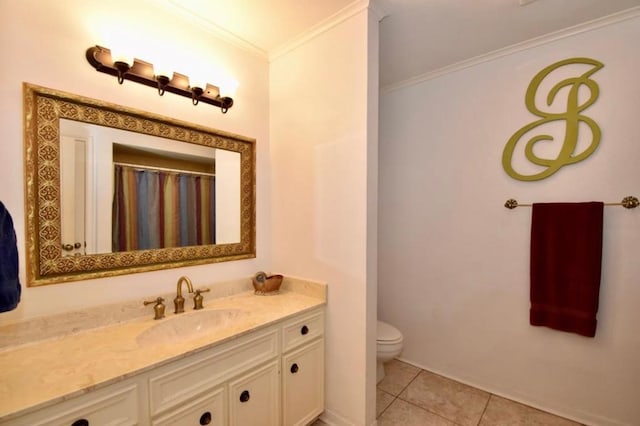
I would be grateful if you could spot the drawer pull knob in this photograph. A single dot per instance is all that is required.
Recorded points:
(304, 330)
(294, 368)
(244, 396)
(205, 419)
(81, 422)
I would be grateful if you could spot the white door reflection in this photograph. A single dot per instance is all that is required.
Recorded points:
(72, 194)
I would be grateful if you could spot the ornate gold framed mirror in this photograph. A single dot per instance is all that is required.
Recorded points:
(84, 220)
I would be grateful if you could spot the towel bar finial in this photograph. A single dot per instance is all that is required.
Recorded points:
(511, 204)
(630, 202)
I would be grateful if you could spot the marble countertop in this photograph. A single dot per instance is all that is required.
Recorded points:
(43, 372)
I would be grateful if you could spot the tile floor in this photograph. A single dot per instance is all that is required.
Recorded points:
(409, 396)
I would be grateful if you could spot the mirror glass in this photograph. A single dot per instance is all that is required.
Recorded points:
(123, 191)
(112, 190)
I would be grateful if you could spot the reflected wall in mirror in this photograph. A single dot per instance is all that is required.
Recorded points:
(111, 190)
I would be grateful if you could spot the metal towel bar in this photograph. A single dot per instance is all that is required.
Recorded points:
(629, 202)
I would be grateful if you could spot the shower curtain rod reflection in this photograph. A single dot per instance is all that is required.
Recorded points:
(162, 169)
(629, 202)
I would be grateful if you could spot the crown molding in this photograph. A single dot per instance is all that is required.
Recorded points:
(595, 24)
(376, 6)
(214, 29)
(380, 8)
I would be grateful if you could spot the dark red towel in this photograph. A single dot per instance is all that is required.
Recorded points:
(566, 261)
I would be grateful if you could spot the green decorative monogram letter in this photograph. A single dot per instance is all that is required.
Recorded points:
(572, 117)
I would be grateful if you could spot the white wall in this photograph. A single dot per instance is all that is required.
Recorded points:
(324, 156)
(453, 262)
(44, 43)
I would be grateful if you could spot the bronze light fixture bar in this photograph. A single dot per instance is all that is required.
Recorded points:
(142, 72)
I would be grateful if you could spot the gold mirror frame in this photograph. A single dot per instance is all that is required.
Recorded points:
(43, 109)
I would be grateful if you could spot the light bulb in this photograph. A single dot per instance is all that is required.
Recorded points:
(161, 68)
(122, 56)
(197, 80)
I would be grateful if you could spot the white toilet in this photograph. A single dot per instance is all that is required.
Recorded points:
(389, 346)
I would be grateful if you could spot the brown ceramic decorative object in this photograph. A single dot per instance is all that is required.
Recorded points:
(264, 284)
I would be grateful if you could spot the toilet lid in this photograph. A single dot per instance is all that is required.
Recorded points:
(388, 333)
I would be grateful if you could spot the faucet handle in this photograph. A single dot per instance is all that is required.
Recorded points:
(197, 298)
(158, 309)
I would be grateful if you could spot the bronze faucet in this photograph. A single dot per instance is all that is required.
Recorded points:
(179, 300)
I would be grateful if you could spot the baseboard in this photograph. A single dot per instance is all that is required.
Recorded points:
(333, 419)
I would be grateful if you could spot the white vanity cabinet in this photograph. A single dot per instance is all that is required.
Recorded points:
(176, 384)
(120, 404)
(220, 371)
(269, 377)
(303, 369)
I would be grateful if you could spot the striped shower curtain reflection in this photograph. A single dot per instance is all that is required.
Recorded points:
(158, 209)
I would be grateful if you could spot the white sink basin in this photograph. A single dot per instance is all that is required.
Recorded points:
(189, 325)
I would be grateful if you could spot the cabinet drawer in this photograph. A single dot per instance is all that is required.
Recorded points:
(181, 381)
(303, 329)
(211, 409)
(116, 405)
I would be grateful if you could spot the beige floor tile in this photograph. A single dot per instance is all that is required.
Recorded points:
(397, 376)
(452, 400)
(383, 400)
(401, 413)
(502, 411)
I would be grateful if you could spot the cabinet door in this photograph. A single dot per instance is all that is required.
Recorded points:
(254, 399)
(303, 384)
(207, 410)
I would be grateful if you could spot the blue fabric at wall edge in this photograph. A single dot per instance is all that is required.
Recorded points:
(10, 288)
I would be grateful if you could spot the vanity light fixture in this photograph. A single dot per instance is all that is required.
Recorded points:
(142, 72)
